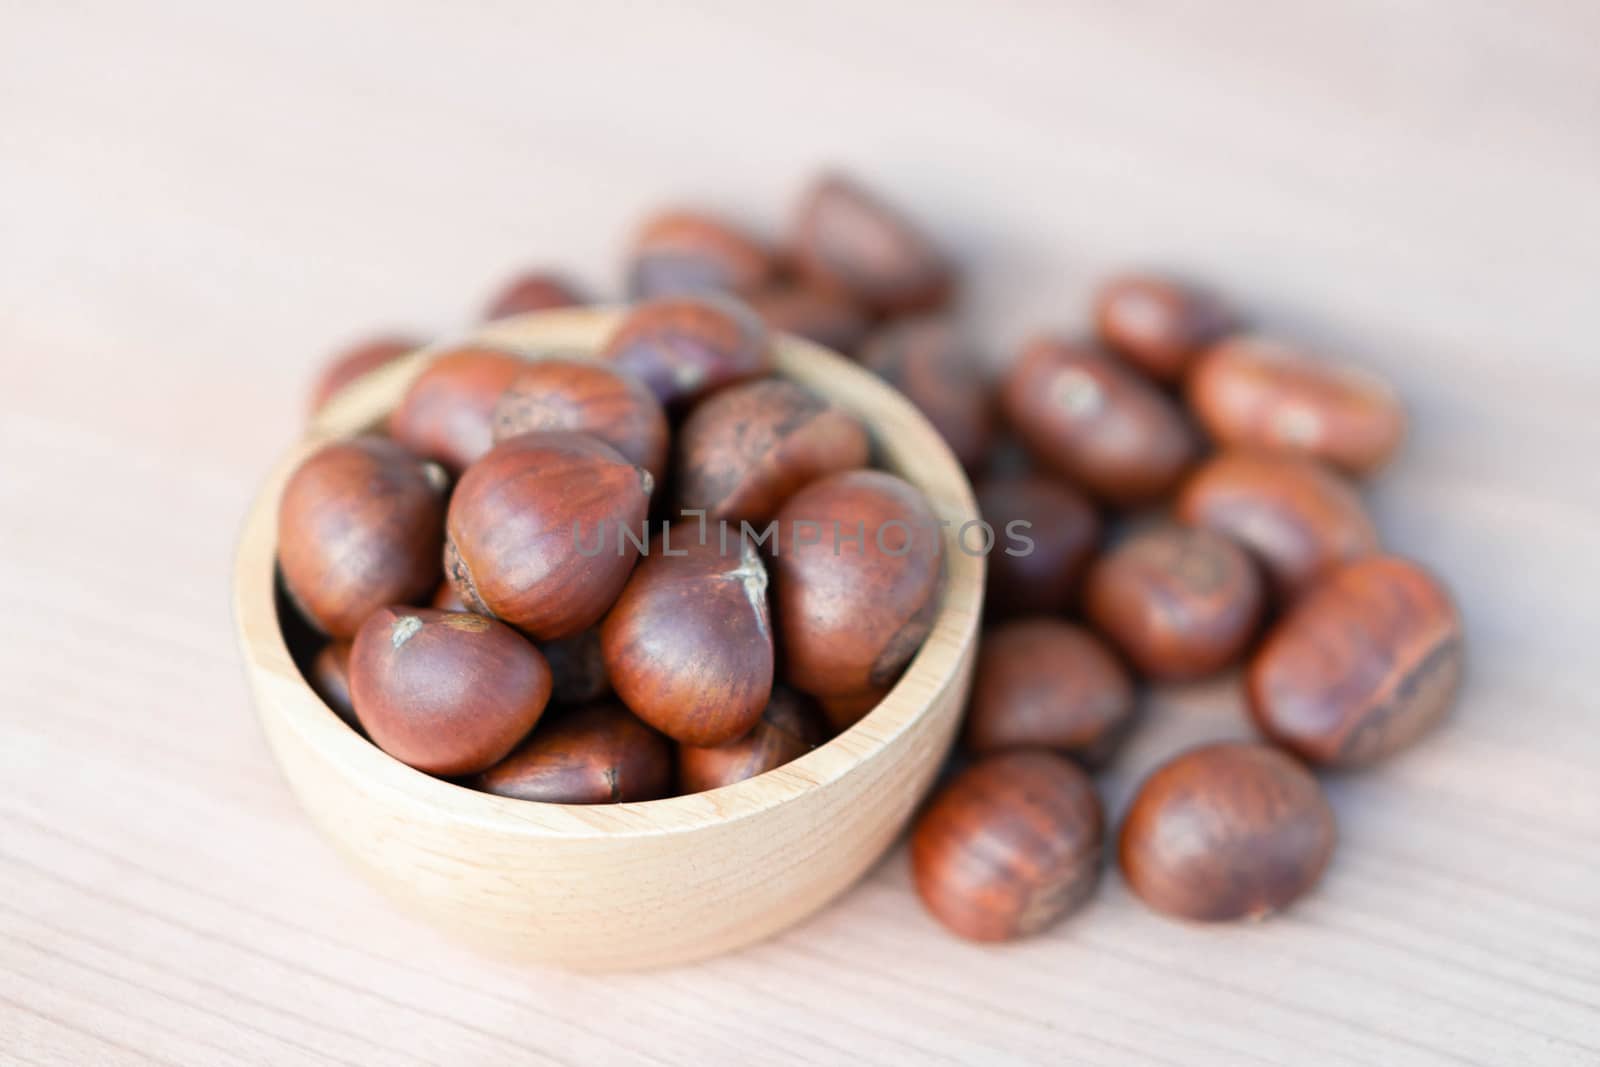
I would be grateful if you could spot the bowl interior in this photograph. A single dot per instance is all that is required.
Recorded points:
(905, 444)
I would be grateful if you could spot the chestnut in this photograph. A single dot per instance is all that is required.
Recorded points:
(598, 754)
(928, 360)
(688, 645)
(847, 238)
(744, 451)
(1159, 325)
(446, 693)
(1255, 392)
(531, 291)
(1296, 516)
(1045, 534)
(537, 531)
(329, 675)
(577, 668)
(1181, 603)
(1369, 659)
(685, 348)
(827, 316)
(1042, 683)
(586, 397)
(1089, 418)
(358, 528)
(448, 413)
(1010, 846)
(859, 571)
(788, 729)
(356, 361)
(843, 712)
(686, 252)
(1226, 831)
(445, 598)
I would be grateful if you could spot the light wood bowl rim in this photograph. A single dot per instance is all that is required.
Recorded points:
(915, 449)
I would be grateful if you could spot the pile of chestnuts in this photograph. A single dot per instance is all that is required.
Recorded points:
(1188, 489)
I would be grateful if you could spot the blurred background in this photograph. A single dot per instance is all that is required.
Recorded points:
(199, 202)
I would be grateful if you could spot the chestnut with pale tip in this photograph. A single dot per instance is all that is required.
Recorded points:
(1158, 324)
(357, 361)
(1256, 392)
(859, 570)
(789, 728)
(1091, 419)
(688, 644)
(846, 237)
(1180, 602)
(597, 754)
(535, 531)
(1045, 534)
(358, 528)
(1369, 659)
(747, 449)
(1226, 831)
(1297, 517)
(929, 361)
(584, 396)
(448, 412)
(533, 290)
(1044, 683)
(446, 693)
(686, 348)
(687, 252)
(1009, 847)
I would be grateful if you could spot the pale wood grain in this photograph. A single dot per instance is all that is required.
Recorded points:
(198, 200)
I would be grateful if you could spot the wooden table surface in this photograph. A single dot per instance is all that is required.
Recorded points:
(198, 200)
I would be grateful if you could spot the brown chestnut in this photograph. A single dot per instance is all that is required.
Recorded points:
(1369, 659)
(1045, 534)
(1226, 831)
(599, 754)
(747, 449)
(448, 413)
(788, 729)
(577, 668)
(1009, 847)
(1180, 602)
(686, 252)
(843, 712)
(360, 359)
(1091, 419)
(329, 675)
(1158, 324)
(1296, 516)
(859, 571)
(532, 291)
(685, 348)
(445, 598)
(447, 693)
(827, 316)
(1254, 392)
(688, 645)
(537, 531)
(586, 397)
(1041, 683)
(928, 360)
(358, 528)
(847, 238)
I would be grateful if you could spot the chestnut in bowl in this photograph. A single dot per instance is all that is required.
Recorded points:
(561, 883)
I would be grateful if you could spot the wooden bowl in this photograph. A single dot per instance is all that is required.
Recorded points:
(622, 885)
